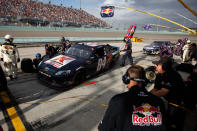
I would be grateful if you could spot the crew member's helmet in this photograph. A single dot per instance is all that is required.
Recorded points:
(188, 41)
(38, 55)
(46, 45)
(8, 38)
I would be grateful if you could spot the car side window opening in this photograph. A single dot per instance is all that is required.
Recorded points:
(99, 52)
(107, 49)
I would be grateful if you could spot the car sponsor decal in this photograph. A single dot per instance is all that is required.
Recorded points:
(101, 63)
(59, 61)
(146, 115)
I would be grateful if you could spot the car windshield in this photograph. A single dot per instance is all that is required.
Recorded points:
(157, 43)
(78, 52)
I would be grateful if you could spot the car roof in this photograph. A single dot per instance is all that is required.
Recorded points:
(88, 45)
(160, 41)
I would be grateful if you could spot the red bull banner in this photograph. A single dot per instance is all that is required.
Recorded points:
(146, 115)
(107, 11)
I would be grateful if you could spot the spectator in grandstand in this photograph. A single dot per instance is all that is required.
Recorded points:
(45, 11)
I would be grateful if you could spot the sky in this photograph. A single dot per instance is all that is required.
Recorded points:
(170, 9)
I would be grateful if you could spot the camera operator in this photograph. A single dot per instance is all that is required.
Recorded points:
(169, 84)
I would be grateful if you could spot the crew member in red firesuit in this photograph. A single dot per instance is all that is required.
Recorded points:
(136, 109)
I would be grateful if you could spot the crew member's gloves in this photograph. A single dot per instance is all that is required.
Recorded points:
(18, 60)
(1, 59)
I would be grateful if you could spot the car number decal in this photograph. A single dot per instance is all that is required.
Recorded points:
(101, 63)
(59, 61)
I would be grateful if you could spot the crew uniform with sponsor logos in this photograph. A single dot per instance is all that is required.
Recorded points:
(10, 56)
(134, 110)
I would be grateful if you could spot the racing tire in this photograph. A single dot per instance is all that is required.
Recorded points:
(27, 65)
(78, 78)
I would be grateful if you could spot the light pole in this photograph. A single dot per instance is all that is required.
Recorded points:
(80, 4)
(159, 21)
(158, 26)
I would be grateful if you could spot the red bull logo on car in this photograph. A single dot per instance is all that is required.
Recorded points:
(151, 116)
(59, 61)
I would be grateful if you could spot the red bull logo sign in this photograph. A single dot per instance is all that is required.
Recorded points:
(107, 11)
(146, 115)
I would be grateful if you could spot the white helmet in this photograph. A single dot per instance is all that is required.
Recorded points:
(188, 41)
(8, 37)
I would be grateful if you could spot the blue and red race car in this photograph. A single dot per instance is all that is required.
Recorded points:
(78, 63)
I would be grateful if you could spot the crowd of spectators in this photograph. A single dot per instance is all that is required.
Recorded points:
(17, 9)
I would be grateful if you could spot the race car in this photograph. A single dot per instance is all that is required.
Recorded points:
(155, 46)
(79, 62)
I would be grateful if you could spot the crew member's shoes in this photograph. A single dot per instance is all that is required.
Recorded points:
(11, 77)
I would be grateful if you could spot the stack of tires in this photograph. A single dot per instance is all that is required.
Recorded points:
(27, 65)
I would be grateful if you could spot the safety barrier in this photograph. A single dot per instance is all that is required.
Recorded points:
(57, 39)
(32, 28)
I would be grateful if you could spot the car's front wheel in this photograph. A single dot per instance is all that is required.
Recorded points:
(78, 78)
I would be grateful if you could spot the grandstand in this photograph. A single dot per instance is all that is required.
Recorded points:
(36, 13)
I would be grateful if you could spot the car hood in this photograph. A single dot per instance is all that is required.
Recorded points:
(61, 62)
(150, 46)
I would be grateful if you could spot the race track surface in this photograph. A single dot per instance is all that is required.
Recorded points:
(146, 37)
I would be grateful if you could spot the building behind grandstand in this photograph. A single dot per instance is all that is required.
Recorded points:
(36, 13)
